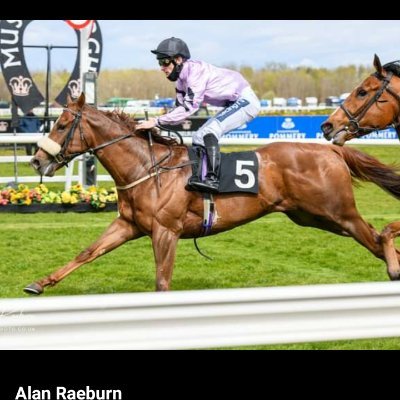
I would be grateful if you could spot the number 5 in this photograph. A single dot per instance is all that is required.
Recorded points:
(243, 171)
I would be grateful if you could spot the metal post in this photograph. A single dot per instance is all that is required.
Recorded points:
(14, 126)
(89, 87)
(48, 77)
(48, 48)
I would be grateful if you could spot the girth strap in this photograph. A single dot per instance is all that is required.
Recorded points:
(145, 178)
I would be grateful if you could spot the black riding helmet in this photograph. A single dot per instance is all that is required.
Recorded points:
(172, 47)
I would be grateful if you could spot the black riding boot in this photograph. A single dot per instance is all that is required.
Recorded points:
(196, 177)
(211, 181)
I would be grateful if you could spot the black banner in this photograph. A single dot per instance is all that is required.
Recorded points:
(73, 87)
(16, 75)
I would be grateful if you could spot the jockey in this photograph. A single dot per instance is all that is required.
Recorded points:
(198, 82)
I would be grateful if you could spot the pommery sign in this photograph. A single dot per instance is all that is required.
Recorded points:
(17, 76)
(63, 393)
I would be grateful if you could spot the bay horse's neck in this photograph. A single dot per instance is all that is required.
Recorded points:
(390, 115)
(126, 160)
(395, 84)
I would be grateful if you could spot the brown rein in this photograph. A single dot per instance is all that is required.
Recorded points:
(61, 158)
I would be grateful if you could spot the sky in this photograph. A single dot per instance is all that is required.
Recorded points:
(314, 43)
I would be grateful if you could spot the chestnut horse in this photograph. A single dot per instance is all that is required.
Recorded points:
(373, 105)
(310, 183)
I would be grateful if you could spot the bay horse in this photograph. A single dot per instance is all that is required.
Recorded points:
(373, 105)
(310, 183)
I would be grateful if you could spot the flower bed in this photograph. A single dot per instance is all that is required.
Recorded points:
(40, 199)
(58, 208)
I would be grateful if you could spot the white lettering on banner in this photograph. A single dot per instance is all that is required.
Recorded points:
(10, 32)
(287, 135)
(246, 135)
(10, 57)
(385, 134)
(93, 49)
(11, 37)
(92, 68)
(96, 46)
(18, 22)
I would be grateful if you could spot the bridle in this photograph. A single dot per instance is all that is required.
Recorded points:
(354, 128)
(61, 158)
(57, 151)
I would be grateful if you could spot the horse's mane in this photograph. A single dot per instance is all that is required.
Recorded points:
(124, 119)
(393, 66)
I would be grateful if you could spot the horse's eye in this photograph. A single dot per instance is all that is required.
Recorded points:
(361, 93)
(60, 127)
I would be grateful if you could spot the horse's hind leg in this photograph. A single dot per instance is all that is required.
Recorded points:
(119, 232)
(382, 246)
(392, 255)
(345, 223)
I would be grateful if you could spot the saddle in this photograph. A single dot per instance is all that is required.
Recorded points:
(238, 170)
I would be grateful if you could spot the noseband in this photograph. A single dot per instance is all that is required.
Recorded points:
(354, 127)
(58, 152)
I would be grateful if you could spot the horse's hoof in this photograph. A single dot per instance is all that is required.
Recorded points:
(394, 275)
(34, 288)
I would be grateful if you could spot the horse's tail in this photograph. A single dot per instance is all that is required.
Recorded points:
(367, 168)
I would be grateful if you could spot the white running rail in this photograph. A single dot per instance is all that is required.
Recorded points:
(202, 319)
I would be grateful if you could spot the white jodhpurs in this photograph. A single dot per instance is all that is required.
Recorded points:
(243, 110)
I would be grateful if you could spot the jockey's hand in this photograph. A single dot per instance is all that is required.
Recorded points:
(151, 123)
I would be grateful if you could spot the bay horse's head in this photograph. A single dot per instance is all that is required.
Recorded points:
(372, 105)
(65, 141)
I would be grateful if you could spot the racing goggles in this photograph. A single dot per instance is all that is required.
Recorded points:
(164, 62)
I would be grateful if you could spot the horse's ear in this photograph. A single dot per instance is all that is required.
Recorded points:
(378, 65)
(81, 100)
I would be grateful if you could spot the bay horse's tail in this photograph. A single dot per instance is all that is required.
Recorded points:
(367, 168)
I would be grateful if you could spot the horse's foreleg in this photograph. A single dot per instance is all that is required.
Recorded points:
(119, 232)
(392, 255)
(164, 248)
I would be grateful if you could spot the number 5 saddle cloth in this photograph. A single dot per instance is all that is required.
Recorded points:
(238, 170)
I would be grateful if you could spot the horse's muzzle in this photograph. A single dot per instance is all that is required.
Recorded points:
(43, 167)
(327, 130)
(35, 163)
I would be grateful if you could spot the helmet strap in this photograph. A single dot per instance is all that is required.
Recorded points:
(174, 75)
